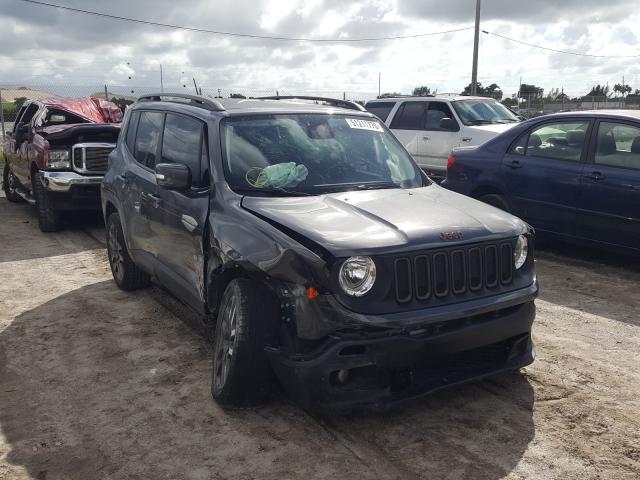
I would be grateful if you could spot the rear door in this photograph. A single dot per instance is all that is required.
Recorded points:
(181, 216)
(20, 162)
(407, 125)
(436, 143)
(543, 171)
(610, 197)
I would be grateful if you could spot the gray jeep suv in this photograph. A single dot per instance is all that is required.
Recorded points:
(314, 251)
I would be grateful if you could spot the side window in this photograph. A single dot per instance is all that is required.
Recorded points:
(29, 113)
(410, 116)
(132, 124)
(380, 109)
(181, 143)
(436, 112)
(18, 117)
(618, 145)
(558, 141)
(147, 136)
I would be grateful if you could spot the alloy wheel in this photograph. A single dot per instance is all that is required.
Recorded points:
(116, 257)
(225, 344)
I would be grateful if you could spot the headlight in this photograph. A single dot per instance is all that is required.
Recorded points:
(521, 251)
(357, 276)
(58, 159)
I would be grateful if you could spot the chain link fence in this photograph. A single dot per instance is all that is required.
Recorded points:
(12, 97)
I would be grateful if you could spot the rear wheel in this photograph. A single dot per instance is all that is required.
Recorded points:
(125, 273)
(49, 219)
(495, 200)
(10, 185)
(241, 373)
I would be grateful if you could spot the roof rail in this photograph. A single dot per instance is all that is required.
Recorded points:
(332, 101)
(194, 100)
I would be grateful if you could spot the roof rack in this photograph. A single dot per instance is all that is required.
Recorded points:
(332, 101)
(194, 100)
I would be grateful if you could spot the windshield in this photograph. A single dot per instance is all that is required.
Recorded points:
(311, 154)
(483, 112)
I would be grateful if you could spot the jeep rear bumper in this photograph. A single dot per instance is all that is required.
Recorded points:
(378, 370)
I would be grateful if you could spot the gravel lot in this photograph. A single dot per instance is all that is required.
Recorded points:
(97, 383)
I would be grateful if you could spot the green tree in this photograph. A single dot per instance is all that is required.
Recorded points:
(622, 89)
(531, 91)
(121, 102)
(599, 91)
(19, 101)
(422, 91)
(237, 95)
(390, 95)
(492, 91)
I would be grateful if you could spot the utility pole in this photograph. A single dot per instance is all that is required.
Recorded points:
(1, 113)
(106, 93)
(476, 41)
(161, 82)
(379, 75)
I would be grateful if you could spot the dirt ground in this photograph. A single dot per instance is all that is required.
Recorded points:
(96, 383)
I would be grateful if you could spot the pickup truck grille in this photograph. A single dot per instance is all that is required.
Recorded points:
(91, 157)
(443, 275)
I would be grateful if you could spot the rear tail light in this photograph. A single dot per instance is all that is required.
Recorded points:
(451, 161)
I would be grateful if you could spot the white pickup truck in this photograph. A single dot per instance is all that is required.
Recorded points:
(430, 127)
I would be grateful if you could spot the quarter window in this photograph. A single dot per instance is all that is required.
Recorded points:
(558, 141)
(410, 116)
(618, 145)
(380, 109)
(182, 142)
(148, 134)
(131, 130)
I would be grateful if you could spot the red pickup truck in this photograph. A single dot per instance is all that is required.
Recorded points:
(57, 154)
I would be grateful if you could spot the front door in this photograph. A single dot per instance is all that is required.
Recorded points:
(436, 143)
(610, 198)
(407, 125)
(543, 171)
(181, 215)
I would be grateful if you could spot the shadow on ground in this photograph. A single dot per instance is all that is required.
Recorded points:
(99, 383)
(21, 239)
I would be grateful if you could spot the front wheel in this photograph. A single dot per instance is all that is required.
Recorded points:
(126, 274)
(10, 185)
(241, 373)
(49, 219)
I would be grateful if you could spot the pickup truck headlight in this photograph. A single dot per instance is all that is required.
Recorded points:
(59, 159)
(357, 276)
(521, 251)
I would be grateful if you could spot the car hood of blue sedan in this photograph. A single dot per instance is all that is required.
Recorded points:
(386, 221)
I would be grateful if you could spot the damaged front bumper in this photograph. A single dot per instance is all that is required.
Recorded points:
(72, 191)
(375, 368)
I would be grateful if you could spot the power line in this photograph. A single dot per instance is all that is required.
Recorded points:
(578, 54)
(242, 35)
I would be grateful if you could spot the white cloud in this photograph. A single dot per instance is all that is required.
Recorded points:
(41, 44)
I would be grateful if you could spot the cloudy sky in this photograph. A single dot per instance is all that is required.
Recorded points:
(41, 45)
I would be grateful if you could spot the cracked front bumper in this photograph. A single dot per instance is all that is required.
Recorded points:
(377, 370)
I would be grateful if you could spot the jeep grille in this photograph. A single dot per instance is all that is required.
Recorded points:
(453, 272)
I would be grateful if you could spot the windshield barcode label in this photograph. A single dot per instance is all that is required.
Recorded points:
(364, 124)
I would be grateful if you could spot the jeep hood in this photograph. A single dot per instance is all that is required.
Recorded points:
(384, 221)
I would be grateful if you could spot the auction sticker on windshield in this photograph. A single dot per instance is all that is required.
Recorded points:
(364, 124)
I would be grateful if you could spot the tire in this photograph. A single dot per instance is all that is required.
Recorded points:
(495, 200)
(10, 184)
(49, 219)
(126, 274)
(247, 317)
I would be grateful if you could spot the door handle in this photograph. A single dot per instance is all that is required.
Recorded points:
(466, 139)
(514, 164)
(426, 137)
(594, 176)
(154, 199)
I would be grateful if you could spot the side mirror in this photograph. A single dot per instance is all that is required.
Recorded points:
(55, 118)
(173, 176)
(449, 124)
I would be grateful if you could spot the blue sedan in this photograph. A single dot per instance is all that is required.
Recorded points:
(574, 175)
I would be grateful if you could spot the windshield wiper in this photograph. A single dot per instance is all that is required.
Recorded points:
(480, 122)
(350, 187)
(283, 192)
